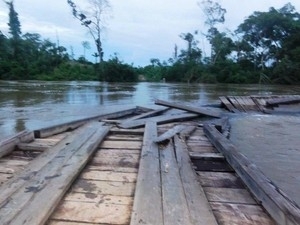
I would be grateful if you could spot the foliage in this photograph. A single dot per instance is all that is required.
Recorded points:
(265, 48)
(116, 71)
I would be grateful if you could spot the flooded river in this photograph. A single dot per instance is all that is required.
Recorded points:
(36, 104)
(273, 145)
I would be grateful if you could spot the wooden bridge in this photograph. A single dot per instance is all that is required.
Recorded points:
(98, 171)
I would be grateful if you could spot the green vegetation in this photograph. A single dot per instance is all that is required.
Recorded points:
(265, 48)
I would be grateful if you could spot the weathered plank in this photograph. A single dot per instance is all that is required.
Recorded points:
(94, 213)
(219, 179)
(228, 104)
(198, 206)
(170, 133)
(121, 144)
(103, 187)
(227, 213)
(229, 195)
(146, 115)
(159, 120)
(108, 176)
(96, 198)
(8, 145)
(15, 184)
(45, 189)
(59, 128)
(207, 156)
(175, 208)
(199, 110)
(283, 100)
(147, 206)
(280, 207)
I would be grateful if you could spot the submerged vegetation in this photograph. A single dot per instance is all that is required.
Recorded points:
(265, 48)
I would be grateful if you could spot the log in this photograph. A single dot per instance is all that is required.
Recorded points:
(9, 144)
(199, 110)
(159, 120)
(59, 128)
(147, 207)
(198, 206)
(34, 201)
(282, 209)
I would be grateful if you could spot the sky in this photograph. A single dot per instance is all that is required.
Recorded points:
(137, 30)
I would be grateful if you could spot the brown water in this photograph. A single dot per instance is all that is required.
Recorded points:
(273, 143)
(36, 104)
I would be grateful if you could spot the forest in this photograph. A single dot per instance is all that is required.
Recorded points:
(265, 48)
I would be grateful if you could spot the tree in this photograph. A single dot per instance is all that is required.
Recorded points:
(93, 20)
(86, 45)
(14, 23)
(273, 37)
(214, 14)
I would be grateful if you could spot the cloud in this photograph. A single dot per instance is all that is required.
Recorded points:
(137, 30)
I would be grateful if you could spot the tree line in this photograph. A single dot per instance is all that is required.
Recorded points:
(265, 48)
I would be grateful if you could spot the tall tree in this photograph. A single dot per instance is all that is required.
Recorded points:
(215, 14)
(14, 23)
(93, 19)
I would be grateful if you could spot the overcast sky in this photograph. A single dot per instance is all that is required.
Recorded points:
(137, 30)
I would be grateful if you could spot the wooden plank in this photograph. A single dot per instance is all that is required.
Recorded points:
(121, 144)
(146, 115)
(170, 133)
(159, 120)
(43, 192)
(199, 110)
(108, 176)
(284, 100)
(115, 159)
(175, 208)
(147, 207)
(103, 187)
(95, 213)
(229, 195)
(282, 209)
(8, 145)
(15, 184)
(235, 103)
(96, 198)
(227, 213)
(59, 128)
(207, 156)
(198, 206)
(219, 179)
(228, 104)
(124, 138)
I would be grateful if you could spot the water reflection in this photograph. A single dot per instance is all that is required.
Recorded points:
(28, 104)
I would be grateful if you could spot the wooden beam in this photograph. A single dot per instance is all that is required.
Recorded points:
(213, 112)
(158, 119)
(198, 206)
(59, 128)
(8, 145)
(284, 100)
(282, 209)
(170, 133)
(145, 115)
(34, 201)
(147, 207)
(228, 104)
(175, 208)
